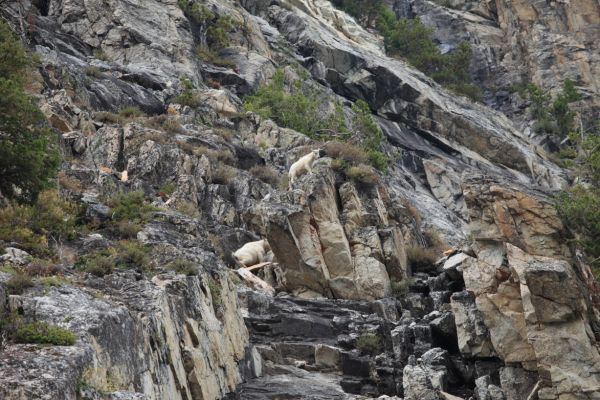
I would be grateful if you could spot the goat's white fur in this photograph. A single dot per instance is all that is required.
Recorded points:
(304, 164)
(252, 253)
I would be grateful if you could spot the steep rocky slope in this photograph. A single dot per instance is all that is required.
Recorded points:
(508, 314)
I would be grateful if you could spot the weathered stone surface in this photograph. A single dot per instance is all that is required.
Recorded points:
(473, 334)
(517, 383)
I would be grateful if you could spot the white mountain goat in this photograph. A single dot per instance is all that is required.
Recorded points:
(304, 164)
(252, 253)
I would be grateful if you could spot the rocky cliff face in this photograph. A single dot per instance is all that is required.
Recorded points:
(508, 313)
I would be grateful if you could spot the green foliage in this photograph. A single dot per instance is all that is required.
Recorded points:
(369, 343)
(401, 288)
(580, 210)
(215, 28)
(365, 12)
(131, 112)
(553, 116)
(297, 109)
(411, 40)
(365, 127)
(42, 333)
(210, 56)
(579, 206)
(99, 264)
(32, 227)
(130, 207)
(29, 155)
(182, 266)
(188, 96)
(128, 254)
(215, 293)
(131, 254)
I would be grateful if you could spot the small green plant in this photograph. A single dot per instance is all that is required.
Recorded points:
(131, 207)
(553, 116)
(215, 293)
(132, 255)
(34, 228)
(167, 188)
(188, 208)
(99, 54)
(182, 266)
(223, 174)
(131, 112)
(94, 71)
(188, 96)
(43, 333)
(401, 288)
(369, 343)
(99, 264)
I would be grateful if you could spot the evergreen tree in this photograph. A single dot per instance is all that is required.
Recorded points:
(28, 148)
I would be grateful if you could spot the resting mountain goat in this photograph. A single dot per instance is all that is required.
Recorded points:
(252, 253)
(304, 164)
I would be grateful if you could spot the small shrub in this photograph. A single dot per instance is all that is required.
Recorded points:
(132, 255)
(188, 96)
(184, 267)
(42, 333)
(40, 267)
(401, 288)
(369, 343)
(168, 188)
(130, 207)
(434, 240)
(362, 174)
(215, 293)
(421, 258)
(165, 123)
(188, 208)
(99, 54)
(223, 175)
(266, 174)
(365, 127)
(18, 283)
(215, 156)
(125, 229)
(32, 227)
(100, 264)
(284, 183)
(108, 117)
(209, 56)
(348, 152)
(69, 183)
(94, 72)
(131, 112)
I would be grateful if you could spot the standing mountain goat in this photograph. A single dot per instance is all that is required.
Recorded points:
(304, 164)
(252, 253)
